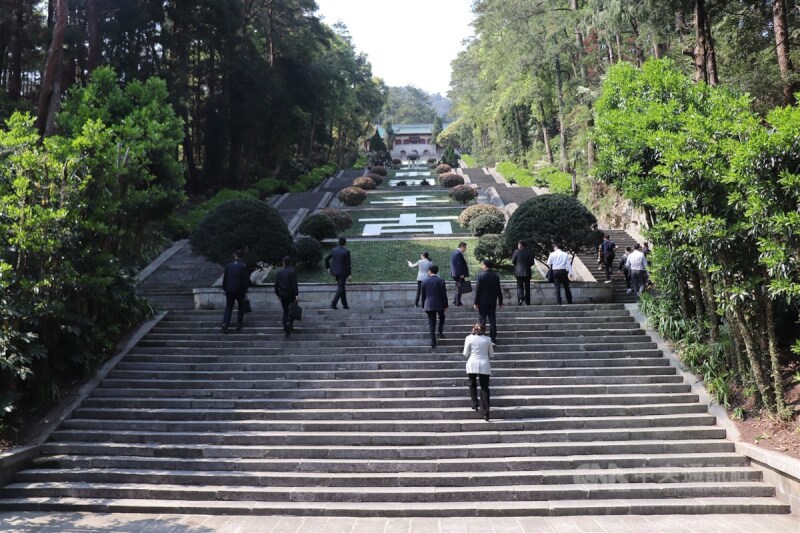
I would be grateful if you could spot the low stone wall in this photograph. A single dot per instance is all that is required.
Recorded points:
(381, 295)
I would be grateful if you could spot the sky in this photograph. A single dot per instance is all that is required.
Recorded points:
(408, 42)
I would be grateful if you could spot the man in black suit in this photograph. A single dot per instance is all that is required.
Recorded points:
(459, 270)
(235, 281)
(434, 301)
(287, 290)
(488, 294)
(523, 261)
(338, 265)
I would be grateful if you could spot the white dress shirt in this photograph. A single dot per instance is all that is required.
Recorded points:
(636, 261)
(559, 260)
(478, 348)
(424, 265)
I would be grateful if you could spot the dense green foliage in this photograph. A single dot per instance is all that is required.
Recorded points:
(719, 185)
(486, 224)
(473, 211)
(450, 179)
(319, 227)
(77, 210)
(492, 246)
(250, 225)
(407, 105)
(308, 252)
(543, 220)
(462, 194)
(341, 218)
(544, 176)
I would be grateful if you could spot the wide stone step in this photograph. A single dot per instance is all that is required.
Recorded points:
(588, 476)
(220, 409)
(480, 508)
(520, 493)
(501, 464)
(485, 451)
(420, 439)
(153, 423)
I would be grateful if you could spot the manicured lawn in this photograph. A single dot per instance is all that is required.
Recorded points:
(359, 215)
(385, 260)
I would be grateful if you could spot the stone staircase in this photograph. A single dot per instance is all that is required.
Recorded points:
(589, 258)
(354, 416)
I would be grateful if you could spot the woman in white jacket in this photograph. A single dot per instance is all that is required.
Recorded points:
(424, 264)
(478, 347)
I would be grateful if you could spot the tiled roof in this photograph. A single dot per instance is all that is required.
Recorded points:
(411, 129)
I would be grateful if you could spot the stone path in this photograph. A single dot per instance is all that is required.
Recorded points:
(170, 285)
(173, 523)
(507, 193)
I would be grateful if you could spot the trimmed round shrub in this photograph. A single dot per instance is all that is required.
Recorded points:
(364, 183)
(473, 211)
(249, 225)
(492, 246)
(377, 178)
(318, 226)
(402, 183)
(486, 224)
(396, 161)
(308, 251)
(463, 194)
(431, 161)
(552, 217)
(450, 179)
(424, 183)
(352, 196)
(441, 169)
(341, 219)
(381, 171)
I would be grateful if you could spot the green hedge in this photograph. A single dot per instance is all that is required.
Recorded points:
(552, 178)
(313, 178)
(468, 160)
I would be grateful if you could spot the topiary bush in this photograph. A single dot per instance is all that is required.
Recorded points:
(552, 217)
(402, 183)
(341, 219)
(377, 178)
(364, 183)
(431, 161)
(381, 171)
(450, 179)
(463, 194)
(319, 227)
(308, 252)
(473, 211)
(352, 196)
(424, 183)
(267, 186)
(396, 161)
(441, 169)
(492, 246)
(249, 225)
(485, 224)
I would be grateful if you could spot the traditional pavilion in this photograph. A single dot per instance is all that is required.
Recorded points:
(413, 139)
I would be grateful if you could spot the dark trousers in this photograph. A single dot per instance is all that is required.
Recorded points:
(286, 321)
(457, 295)
(524, 289)
(419, 290)
(341, 292)
(229, 299)
(473, 391)
(561, 277)
(627, 273)
(639, 278)
(489, 312)
(608, 263)
(432, 324)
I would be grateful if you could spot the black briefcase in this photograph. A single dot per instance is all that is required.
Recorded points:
(246, 305)
(295, 311)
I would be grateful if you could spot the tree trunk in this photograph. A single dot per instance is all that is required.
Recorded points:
(701, 47)
(93, 35)
(775, 364)
(545, 137)
(711, 307)
(711, 55)
(751, 351)
(699, 305)
(270, 29)
(780, 26)
(562, 156)
(50, 94)
(619, 47)
(610, 52)
(15, 78)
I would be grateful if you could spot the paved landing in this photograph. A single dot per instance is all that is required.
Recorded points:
(135, 523)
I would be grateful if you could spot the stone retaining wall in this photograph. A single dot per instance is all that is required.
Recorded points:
(380, 295)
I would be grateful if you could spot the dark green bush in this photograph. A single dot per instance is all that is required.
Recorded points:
(182, 225)
(381, 171)
(463, 194)
(308, 252)
(431, 161)
(364, 183)
(402, 183)
(486, 224)
(313, 178)
(442, 169)
(396, 161)
(249, 225)
(552, 217)
(267, 186)
(352, 196)
(473, 211)
(341, 219)
(377, 178)
(492, 246)
(450, 179)
(319, 227)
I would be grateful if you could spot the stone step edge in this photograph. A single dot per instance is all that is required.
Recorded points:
(461, 509)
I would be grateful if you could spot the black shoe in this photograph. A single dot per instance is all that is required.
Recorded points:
(441, 335)
(224, 329)
(474, 406)
(334, 307)
(345, 307)
(459, 305)
(486, 417)
(238, 327)
(433, 345)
